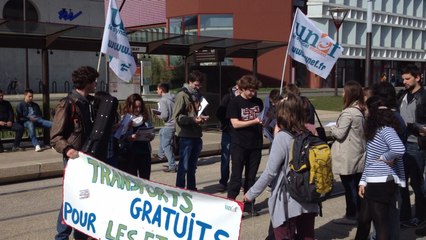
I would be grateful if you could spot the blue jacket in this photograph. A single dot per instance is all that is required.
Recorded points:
(22, 111)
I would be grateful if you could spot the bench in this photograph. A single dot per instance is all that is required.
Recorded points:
(8, 136)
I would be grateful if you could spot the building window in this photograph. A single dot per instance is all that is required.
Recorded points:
(190, 25)
(175, 25)
(217, 25)
(14, 9)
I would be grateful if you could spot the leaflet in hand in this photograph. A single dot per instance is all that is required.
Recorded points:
(203, 105)
(156, 112)
(145, 133)
(330, 124)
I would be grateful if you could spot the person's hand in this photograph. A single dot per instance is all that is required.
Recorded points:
(32, 119)
(361, 191)
(9, 124)
(72, 153)
(198, 120)
(390, 163)
(257, 121)
(3, 124)
(422, 131)
(246, 199)
(133, 137)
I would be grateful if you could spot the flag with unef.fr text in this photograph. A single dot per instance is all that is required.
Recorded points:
(312, 47)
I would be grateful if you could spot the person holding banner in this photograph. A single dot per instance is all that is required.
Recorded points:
(135, 148)
(72, 125)
(287, 215)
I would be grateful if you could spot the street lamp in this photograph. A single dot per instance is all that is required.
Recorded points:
(338, 15)
(368, 44)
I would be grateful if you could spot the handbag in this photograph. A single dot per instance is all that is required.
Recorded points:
(320, 129)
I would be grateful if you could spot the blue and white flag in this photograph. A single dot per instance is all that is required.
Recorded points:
(116, 44)
(312, 47)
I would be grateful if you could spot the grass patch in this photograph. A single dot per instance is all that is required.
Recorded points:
(329, 103)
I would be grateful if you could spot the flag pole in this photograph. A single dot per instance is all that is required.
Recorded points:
(99, 61)
(284, 67)
(286, 55)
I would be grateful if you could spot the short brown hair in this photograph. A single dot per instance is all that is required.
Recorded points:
(164, 87)
(249, 82)
(196, 75)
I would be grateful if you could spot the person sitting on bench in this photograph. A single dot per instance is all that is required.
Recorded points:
(29, 114)
(7, 118)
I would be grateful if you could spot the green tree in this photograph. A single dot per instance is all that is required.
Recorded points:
(160, 73)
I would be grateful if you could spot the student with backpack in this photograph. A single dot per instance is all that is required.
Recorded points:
(288, 215)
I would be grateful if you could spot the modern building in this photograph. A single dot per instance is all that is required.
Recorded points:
(398, 36)
(398, 33)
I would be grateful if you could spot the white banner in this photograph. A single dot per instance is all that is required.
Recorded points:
(116, 44)
(106, 203)
(312, 47)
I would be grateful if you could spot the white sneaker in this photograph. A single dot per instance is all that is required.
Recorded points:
(38, 148)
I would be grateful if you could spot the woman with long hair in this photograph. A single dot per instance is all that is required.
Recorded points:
(135, 153)
(383, 172)
(287, 215)
(349, 147)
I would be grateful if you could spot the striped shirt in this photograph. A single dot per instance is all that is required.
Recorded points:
(385, 146)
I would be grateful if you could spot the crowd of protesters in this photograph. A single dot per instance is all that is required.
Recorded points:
(378, 145)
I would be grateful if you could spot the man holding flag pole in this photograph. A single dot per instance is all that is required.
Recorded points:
(116, 44)
(312, 47)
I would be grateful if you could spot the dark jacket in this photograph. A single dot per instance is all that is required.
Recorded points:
(6, 111)
(22, 111)
(72, 123)
(420, 115)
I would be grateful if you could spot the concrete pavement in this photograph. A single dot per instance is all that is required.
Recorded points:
(30, 165)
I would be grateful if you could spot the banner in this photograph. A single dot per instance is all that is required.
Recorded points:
(116, 44)
(312, 47)
(106, 203)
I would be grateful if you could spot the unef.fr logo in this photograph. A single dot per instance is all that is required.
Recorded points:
(320, 44)
(116, 23)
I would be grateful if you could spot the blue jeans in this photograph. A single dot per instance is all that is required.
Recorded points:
(30, 126)
(353, 201)
(189, 151)
(165, 147)
(414, 166)
(225, 155)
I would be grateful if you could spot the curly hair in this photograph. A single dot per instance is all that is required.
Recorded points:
(379, 115)
(83, 76)
(291, 114)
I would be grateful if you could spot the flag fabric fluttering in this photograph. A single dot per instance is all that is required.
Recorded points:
(116, 44)
(312, 47)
